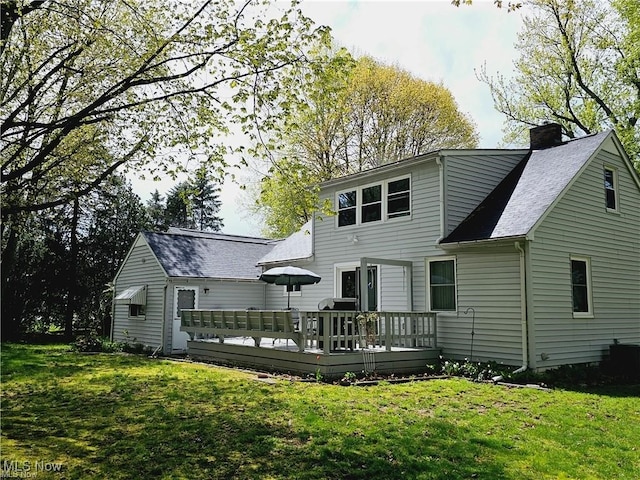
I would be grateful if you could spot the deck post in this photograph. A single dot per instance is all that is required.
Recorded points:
(387, 331)
(326, 332)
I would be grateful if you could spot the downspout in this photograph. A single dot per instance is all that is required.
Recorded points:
(523, 310)
(163, 342)
(441, 198)
(113, 311)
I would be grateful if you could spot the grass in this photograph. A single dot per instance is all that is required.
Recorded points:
(124, 416)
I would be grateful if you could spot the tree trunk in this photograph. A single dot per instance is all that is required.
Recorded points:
(72, 273)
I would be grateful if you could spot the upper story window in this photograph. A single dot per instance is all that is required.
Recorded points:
(372, 204)
(611, 188)
(347, 208)
(375, 203)
(398, 198)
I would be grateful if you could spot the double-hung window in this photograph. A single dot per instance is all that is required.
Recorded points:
(347, 208)
(375, 203)
(611, 188)
(581, 286)
(372, 204)
(398, 198)
(442, 284)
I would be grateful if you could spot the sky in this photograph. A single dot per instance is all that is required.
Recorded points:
(432, 39)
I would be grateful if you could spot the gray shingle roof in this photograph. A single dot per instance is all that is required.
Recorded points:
(188, 253)
(298, 246)
(523, 197)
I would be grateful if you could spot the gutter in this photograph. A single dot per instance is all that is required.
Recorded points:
(523, 309)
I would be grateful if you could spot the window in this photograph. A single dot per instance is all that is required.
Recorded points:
(442, 285)
(136, 310)
(398, 198)
(372, 204)
(580, 286)
(292, 290)
(135, 297)
(375, 203)
(347, 208)
(185, 298)
(610, 187)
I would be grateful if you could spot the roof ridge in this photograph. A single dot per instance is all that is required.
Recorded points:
(180, 232)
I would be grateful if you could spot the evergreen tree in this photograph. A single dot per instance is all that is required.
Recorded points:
(195, 203)
(156, 211)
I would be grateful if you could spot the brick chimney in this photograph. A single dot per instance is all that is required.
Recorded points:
(545, 136)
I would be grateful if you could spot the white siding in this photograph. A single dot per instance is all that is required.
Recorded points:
(489, 282)
(470, 178)
(221, 294)
(488, 279)
(405, 238)
(580, 225)
(140, 268)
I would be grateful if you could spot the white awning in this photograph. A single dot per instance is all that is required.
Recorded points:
(136, 295)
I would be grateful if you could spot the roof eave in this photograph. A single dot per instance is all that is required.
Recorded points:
(493, 242)
(306, 259)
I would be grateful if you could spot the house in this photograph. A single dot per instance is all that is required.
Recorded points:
(530, 257)
(165, 272)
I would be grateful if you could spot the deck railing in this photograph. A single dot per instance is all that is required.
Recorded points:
(327, 330)
(334, 331)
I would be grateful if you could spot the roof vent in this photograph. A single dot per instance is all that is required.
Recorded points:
(545, 136)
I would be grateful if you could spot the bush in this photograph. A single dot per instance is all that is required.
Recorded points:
(93, 343)
(474, 370)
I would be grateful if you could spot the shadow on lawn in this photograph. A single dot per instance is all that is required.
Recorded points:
(134, 425)
(98, 437)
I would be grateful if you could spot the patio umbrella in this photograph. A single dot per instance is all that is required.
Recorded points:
(289, 276)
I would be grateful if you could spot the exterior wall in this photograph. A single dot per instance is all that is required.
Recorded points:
(580, 225)
(405, 238)
(140, 268)
(488, 281)
(470, 178)
(221, 294)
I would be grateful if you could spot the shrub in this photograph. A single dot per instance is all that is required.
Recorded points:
(94, 343)
(474, 370)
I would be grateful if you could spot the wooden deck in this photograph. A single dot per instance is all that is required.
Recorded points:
(328, 343)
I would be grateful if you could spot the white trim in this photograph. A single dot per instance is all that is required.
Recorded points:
(294, 293)
(384, 200)
(616, 188)
(428, 261)
(587, 262)
(338, 268)
(177, 288)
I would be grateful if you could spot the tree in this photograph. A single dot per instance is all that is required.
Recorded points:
(354, 115)
(177, 212)
(579, 66)
(195, 203)
(91, 86)
(205, 199)
(64, 259)
(156, 211)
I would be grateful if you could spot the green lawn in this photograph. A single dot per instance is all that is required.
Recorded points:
(129, 417)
